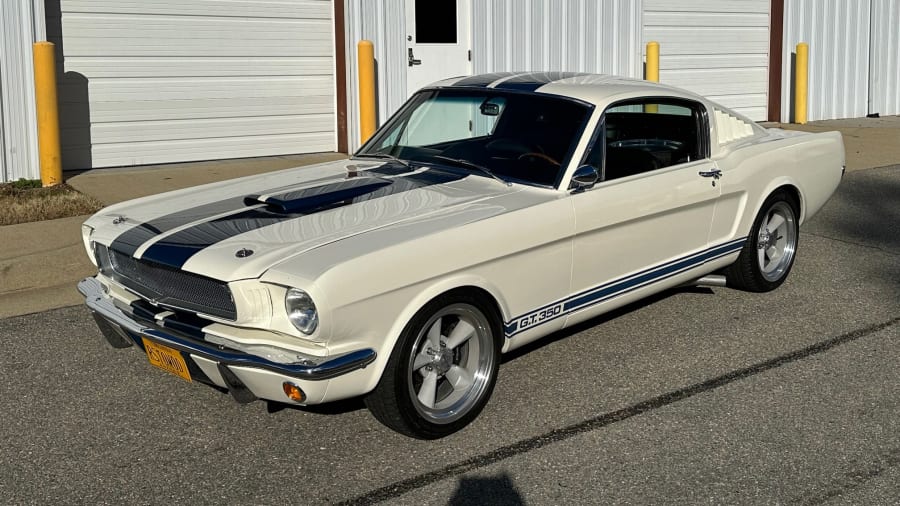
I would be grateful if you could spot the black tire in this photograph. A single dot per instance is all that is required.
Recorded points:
(415, 371)
(768, 255)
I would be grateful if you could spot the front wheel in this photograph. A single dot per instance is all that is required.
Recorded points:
(768, 254)
(442, 370)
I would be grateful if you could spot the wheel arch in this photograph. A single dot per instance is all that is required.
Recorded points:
(465, 283)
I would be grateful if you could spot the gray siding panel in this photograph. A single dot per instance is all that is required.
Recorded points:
(837, 32)
(716, 49)
(384, 23)
(576, 35)
(884, 87)
(168, 81)
(18, 119)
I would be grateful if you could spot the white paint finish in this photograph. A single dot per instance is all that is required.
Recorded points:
(837, 32)
(884, 79)
(167, 81)
(18, 118)
(472, 231)
(578, 35)
(437, 61)
(716, 49)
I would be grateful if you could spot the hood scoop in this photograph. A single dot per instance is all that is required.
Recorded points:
(318, 197)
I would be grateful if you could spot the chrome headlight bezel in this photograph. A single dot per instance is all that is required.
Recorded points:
(301, 310)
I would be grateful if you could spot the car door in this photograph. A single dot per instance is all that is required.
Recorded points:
(646, 222)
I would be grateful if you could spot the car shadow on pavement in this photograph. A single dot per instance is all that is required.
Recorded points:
(496, 490)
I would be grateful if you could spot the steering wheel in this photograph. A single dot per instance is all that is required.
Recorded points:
(542, 156)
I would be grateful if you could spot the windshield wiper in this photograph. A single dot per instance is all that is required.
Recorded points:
(384, 156)
(472, 165)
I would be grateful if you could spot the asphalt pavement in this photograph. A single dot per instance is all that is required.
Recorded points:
(694, 396)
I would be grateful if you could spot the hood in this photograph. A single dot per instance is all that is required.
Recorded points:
(238, 229)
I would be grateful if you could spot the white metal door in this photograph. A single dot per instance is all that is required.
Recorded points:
(437, 41)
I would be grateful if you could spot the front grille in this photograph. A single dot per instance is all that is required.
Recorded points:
(167, 286)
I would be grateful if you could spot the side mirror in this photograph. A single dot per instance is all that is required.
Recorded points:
(585, 177)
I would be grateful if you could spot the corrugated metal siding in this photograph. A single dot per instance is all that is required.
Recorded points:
(718, 49)
(884, 87)
(18, 120)
(837, 32)
(576, 35)
(384, 23)
(168, 81)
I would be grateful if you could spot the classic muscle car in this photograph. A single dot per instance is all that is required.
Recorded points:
(489, 211)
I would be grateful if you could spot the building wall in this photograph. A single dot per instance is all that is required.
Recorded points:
(884, 66)
(576, 35)
(21, 24)
(383, 23)
(169, 80)
(718, 49)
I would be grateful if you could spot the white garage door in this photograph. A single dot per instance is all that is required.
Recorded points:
(172, 80)
(718, 49)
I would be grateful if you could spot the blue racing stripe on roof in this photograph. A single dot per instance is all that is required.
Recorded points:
(482, 80)
(534, 80)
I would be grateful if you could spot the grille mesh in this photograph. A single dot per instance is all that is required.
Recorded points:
(167, 286)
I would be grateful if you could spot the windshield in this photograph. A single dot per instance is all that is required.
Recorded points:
(511, 136)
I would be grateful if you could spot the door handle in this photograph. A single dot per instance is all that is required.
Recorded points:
(412, 59)
(715, 173)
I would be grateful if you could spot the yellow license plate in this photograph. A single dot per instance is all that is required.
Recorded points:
(166, 359)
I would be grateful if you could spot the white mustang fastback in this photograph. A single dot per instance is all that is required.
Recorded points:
(488, 212)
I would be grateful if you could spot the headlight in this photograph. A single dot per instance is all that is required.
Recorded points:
(301, 311)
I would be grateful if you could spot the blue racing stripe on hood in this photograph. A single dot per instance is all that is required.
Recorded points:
(179, 247)
(129, 241)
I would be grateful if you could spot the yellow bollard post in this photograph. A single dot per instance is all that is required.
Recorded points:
(653, 61)
(47, 113)
(801, 83)
(365, 52)
(652, 71)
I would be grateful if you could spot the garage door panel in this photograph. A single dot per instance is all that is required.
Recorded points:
(172, 80)
(729, 6)
(182, 46)
(705, 19)
(189, 66)
(117, 90)
(144, 153)
(247, 9)
(210, 128)
(716, 49)
(713, 61)
(152, 110)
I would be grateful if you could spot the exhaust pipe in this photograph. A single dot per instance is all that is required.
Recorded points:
(708, 280)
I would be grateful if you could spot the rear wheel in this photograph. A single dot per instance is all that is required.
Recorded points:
(442, 370)
(768, 254)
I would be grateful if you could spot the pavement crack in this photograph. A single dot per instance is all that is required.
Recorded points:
(853, 243)
(523, 446)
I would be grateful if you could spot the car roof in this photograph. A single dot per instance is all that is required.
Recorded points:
(598, 89)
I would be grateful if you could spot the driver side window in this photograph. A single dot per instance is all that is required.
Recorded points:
(640, 136)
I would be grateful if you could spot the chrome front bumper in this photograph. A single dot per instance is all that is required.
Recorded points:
(219, 364)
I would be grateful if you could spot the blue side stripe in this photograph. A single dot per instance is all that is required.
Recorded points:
(618, 287)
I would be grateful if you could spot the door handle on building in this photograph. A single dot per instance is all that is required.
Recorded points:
(411, 59)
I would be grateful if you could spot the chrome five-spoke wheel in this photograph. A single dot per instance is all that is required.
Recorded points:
(776, 241)
(768, 254)
(443, 368)
(452, 363)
